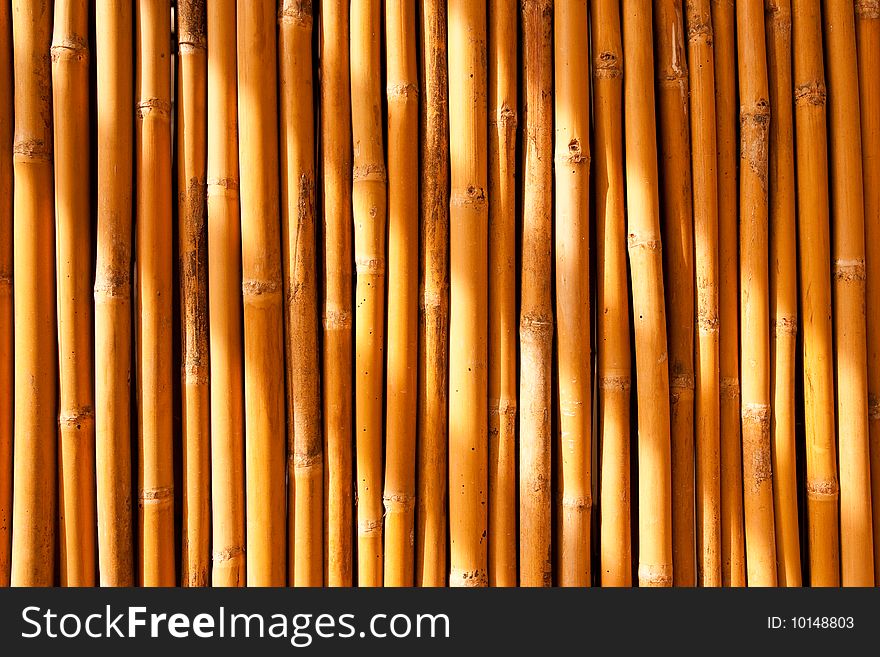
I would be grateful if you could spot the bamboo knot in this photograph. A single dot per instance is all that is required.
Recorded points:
(5, 281)
(156, 494)
(682, 382)
(402, 91)
(468, 578)
(75, 417)
(607, 65)
(192, 24)
(404, 502)
(868, 9)
(158, 105)
(369, 266)
(699, 27)
(503, 407)
(575, 155)
(302, 460)
(754, 137)
(229, 184)
(35, 149)
(707, 321)
(874, 408)
(73, 49)
(473, 197)
(781, 19)
(537, 324)
(537, 482)
(368, 173)
(296, 12)
(228, 554)
(113, 284)
(506, 117)
(729, 387)
(785, 326)
(810, 93)
(259, 287)
(849, 270)
(635, 242)
(655, 574)
(581, 503)
(432, 300)
(368, 528)
(822, 488)
(615, 383)
(195, 369)
(336, 320)
(759, 467)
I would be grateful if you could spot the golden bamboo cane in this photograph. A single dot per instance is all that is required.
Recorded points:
(433, 376)
(114, 28)
(7, 355)
(224, 302)
(783, 292)
(815, 284)
(468, 318)
(848, 244)
(649, 312)
(337, 310)
(35, 439)
(305, 465)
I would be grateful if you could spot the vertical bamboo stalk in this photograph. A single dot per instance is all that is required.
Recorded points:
(33, 513)
(368, 196)
(114, 51)
(224, 301)
(678, 239)
(868, 32)
(783, 293)
(192, 66)
(261, 288)
(70, 88)
(153, 241)
(433, 376)
(468, 315)
(848, 244)
(502, 106)
(726, 116)
(613, 340)
(305, 459)
(701, 58)
(403, 238)
(572, 169)
(7, 355)
(536, 312)
(649, 312)
(815, 285)
(337, 310)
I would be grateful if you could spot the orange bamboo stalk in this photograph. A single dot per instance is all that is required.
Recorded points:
(7, 355)
(649, 312)
(815, 285)
(305, 459)
(726, 118)
(701, 57)
(192, 153)
(403, 238)
(848, 244)
(868, 33)
(783, 293)
(261, 287)
(613, 305)
(468, 319)
(224, 302)
(572, 169)
(433, 377)
(35, 439)
(114, 51)
(153, 165)
(337, 310)
(368, 196)
(502, 292)
(678, 252)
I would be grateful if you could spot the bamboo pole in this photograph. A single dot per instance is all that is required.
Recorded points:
(649, 313)
(337, 304)
(33, 514)
(70, 88)
(468, 318)
(224, 302)
(726, 117)
(572, 175)
(7, 355)
(403, 269)
(261, 287)
(192, 99)
(153, 165)
(701, 58)
(868, 33)
(305, 459)
(114, 28)
(433, 376)
(678, 239)
(536, 312)
(848, 244)
(783, 293)
(368, 196)
(502, 110)
(613, 340)
(815, 285)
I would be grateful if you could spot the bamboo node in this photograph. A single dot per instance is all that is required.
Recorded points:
(655, 575)
(682, 382)
(296, 12)
(155, 494)
(5, 281)
(35, 149)
(505, 406)
(754, 137)
(192, 22)
(230, 184)
(228, 554)
(729, 388)
(868, 9)
(506, 117)
(113, 284)
(760, 467)
(874, 408)
(822, 488)
(75, 417)
(780, 20)
(258, 287)
(74, 49)
(368, 528)
(849, 270)
(401, 91)
(468, 578)
(369, 173)
(158, 105)
(785, 326)
(707, 321)
(636, 242)
(584, 502)
(369, 266)
(474, 197)
(400, 500)
(305, 460)
(575, 155)
(607, 65)
(810, 93)
(699, 26)
(537, 324)
(335, 320)
(615, 383)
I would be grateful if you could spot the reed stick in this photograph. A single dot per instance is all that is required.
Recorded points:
(7, 354)
(848, 256)
(433, 375)
(262, 295)
(814, 256)
(649, 311)
(225, 302)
